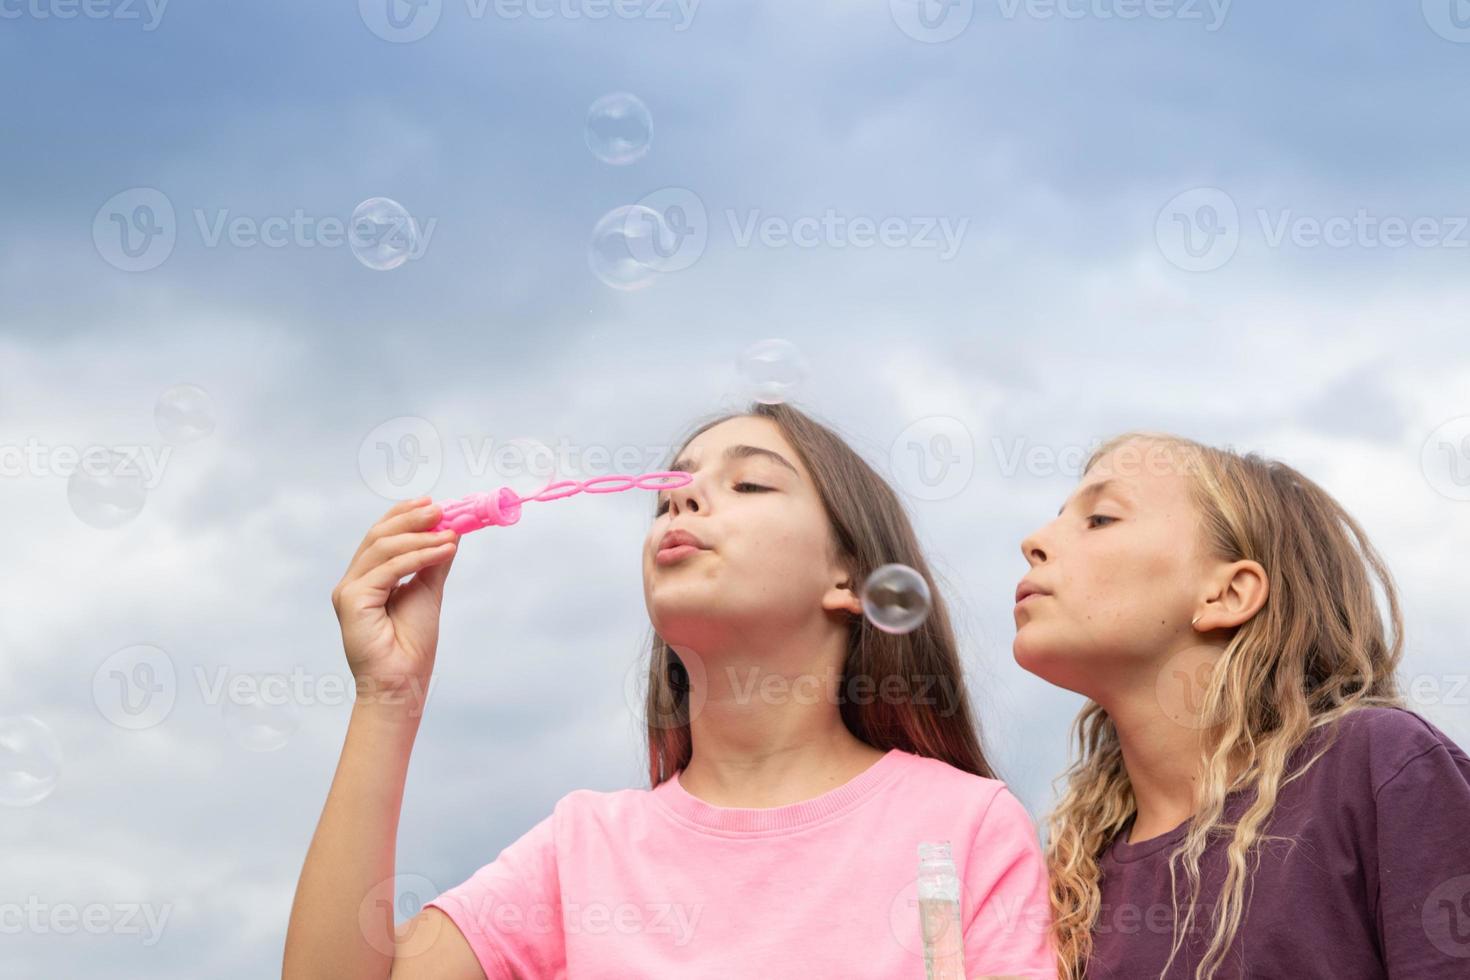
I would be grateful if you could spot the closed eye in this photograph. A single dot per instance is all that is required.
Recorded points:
(746, 484)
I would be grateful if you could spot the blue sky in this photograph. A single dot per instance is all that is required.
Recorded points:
(1071, 143)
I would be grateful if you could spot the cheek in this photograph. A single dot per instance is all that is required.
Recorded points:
(1134, 584)
(785, 553)
(1109, 581)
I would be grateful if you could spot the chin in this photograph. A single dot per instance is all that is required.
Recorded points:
(676, 607)
(1026, 652)
(670, 616)
(1046, 660)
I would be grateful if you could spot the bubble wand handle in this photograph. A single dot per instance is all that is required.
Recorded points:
(503, 506)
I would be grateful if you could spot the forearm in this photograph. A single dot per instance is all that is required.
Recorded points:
(352, 855)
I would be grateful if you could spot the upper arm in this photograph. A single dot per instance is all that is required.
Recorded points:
(509, 911)
(431, 947)
(1424, 866)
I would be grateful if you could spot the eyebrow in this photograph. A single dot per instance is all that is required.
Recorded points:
(738, 452)
(1093, 490)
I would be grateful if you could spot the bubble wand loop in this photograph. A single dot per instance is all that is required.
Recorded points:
(503, 506)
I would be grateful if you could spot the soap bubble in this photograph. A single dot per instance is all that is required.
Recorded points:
(260, 722)
(184, 413)
(106, 489)
(895, 598)
(772, 370)
(382, 233)
(620, 238)
(619, 128)
(30, 760)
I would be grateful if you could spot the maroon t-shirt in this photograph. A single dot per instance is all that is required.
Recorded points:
(1377, 884)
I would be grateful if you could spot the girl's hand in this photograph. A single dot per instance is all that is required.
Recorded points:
(390, 630)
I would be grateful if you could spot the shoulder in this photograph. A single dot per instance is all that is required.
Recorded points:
(599, 806)
(1377, 742)
(989, 799)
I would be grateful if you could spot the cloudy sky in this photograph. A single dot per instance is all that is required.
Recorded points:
(996, 231)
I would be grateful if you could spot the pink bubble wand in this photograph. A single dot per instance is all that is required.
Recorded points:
(503, 506)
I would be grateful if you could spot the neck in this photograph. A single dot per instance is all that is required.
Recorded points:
(766, 727)
(1164, 761)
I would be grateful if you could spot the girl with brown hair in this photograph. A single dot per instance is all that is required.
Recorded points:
(798, 758)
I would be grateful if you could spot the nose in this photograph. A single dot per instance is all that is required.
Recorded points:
(689, 497)
(1032, 550)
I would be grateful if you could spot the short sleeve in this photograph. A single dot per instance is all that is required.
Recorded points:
(510, 910)
(1009, 929)
(1423, 813)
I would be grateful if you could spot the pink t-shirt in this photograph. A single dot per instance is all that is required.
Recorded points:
(658, 883)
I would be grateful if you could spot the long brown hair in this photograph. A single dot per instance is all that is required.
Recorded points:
(1315, 651)
(869, 528)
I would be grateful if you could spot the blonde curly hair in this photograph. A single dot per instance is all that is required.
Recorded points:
(1315, 651)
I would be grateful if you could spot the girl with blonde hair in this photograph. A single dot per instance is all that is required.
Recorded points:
(1250, 797)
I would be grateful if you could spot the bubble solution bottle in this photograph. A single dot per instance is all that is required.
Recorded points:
(939, 913)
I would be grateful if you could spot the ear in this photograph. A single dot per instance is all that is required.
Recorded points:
(843, 595)
(1239, 591)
